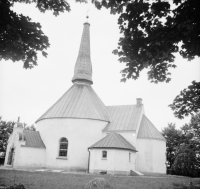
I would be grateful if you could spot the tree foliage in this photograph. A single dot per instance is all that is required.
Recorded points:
(31, 128)
(173, 140)
(20, 37)
(6, 128)
(183, 147)
(152, 31)
(188, 101)
(186, 161)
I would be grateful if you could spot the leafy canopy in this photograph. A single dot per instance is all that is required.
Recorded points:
(187, 102)
(183, 147)
(152, 31)
(173, 139)
(6, 128)
(20, 37)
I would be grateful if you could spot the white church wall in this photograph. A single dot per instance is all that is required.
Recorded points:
(117, 161)
(97, 163)
(31, 157)
(13, 142)
(124, 160)
(10, 144)
(151, 155)
(129, 136)
(81, 133)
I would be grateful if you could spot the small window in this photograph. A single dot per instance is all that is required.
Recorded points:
(104, 154)
(129, 157)
(63, 147)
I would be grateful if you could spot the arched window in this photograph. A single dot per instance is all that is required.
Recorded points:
(104, 154)
(63, 147)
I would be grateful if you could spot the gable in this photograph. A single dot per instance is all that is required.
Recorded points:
(124, 117)
(113, 140)
(148, 130)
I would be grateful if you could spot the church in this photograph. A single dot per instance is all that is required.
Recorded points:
(80, 133)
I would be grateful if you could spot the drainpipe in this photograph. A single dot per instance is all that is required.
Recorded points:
(88, 161)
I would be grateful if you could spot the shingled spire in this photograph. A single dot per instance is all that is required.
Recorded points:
(83, 67)
(80, 101)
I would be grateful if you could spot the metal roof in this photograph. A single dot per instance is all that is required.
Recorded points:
(80, 101)
(123, 118)
(113, 140)
(33, 139)
(148, 130)
(83, 67)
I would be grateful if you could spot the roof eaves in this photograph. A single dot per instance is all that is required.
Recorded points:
(152, 138)
(26, 146)
(71, 118)
(113, 148)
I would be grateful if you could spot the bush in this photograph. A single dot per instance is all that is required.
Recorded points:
(98, 183)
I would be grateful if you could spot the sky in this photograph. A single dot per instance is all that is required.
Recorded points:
(29, 93)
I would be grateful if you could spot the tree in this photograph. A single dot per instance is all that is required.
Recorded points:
(173, 140)
(152, 31)
(31, 128)
(186, 162)
(20, 38)
(6, 128)
(187, 155)
(187, 102)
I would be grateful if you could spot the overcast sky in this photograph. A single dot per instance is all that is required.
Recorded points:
(29, 93)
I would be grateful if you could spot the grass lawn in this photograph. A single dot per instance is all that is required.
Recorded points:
(50, 180)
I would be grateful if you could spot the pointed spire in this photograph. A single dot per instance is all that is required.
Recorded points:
(83, 67)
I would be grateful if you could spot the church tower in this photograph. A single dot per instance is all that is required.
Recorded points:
(80, 101)
(77, 119)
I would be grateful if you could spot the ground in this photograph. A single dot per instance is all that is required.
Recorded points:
(59, 180)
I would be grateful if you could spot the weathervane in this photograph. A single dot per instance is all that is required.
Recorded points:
(87, 15)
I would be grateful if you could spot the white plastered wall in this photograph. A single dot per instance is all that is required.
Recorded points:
(13, 142)
(151, 155)
(130, 136)
(81, 134)
(23, 156)
(117, 161)
(31, 157)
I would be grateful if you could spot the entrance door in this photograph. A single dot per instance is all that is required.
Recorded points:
(11, 156)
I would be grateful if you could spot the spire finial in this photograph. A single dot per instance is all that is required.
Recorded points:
(87, 15)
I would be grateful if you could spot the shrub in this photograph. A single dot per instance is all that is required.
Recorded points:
(98, 183)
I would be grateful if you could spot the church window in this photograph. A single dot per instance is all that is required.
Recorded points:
(63, 147)
(104, 154)
(129, 157)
